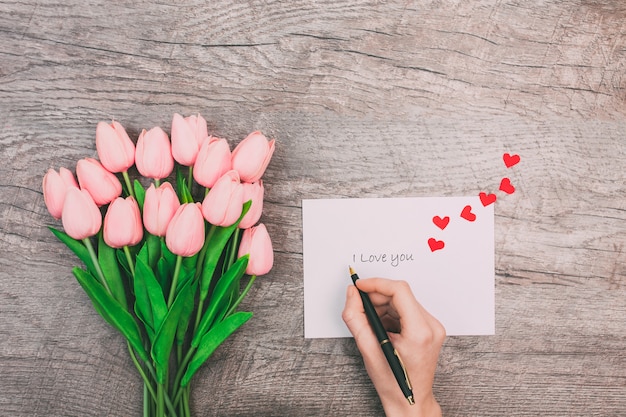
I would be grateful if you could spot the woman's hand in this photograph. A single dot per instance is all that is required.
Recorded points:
(414, 333)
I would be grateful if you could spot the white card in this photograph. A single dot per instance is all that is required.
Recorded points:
(388, 237)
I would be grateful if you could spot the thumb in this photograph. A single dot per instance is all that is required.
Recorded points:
(356, 320)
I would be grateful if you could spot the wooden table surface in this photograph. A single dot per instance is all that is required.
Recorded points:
(365, 99)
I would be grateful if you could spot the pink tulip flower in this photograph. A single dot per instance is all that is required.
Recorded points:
(185, 233)
(223, 204)
(256, 242)
(81, 217)
(159, 207)
(255, 193)
(55, 185)
(153, 156)
(187, 136)
(252, 156)
(213, 161)
(115, 149)
(103, 186)
(122, 223)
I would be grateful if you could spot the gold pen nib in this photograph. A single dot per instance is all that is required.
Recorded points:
(351, 270)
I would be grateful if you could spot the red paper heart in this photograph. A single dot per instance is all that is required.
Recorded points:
(467, 214)
(510, 160)
(506, 186)
(441, 222)
(487, 199)
(435, 244)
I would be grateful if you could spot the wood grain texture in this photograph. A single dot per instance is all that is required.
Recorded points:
(364, 98)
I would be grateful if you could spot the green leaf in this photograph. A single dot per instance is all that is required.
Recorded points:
(110, 268)
(164, 273)
(164, 339)
(168, 255)
(153, 245)
(212, 340)
(188, 307)
(149, 298)
(221, 295)
(189, 262)
(123, 262)
(147, 323)
(218, 238)
(77, 247)
(180, 180)
(184, 194)
(140, 194)
(111, 310)
(165, 266)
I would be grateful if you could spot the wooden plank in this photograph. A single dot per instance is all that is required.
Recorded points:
(374, 99)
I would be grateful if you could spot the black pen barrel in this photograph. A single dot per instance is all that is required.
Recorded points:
(381, 334)
(372, 317)
(370, 312)
(396, 367)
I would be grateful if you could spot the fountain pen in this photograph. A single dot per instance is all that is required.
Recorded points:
(393, 358)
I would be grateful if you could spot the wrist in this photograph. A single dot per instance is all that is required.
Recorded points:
(428, 407)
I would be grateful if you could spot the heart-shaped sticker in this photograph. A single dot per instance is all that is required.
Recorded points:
(467, 214)
(506, 186)
(487, 199)
(435, 244)
(510, 160)
(441, 222)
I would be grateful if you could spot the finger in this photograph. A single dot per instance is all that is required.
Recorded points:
(373, 357)
(409, 311)
(356, 320)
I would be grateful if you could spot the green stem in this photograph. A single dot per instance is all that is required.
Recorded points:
(179, 374)
(202, 254)
(241, 296)
(199, 266)
(198, 315)
(96, 264)
(157, 183)
(131, 192)
(129, 258)
(170, 406)
(232, 251)
(146, 403)
(187, 411)
(233, 247)
(190, 178)
(146, 381)
(170, 299)
(160, 401)
(160, 397)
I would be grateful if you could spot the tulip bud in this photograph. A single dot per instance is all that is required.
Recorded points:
(115, 149)
(159, 207)
(187, 136)
(185, 233)
(255, 193)
(122, 223)
(103, 186)
(81, 217)
(256, 242)
(223, 204)
(153, 156)
(55, 185)
(212, 162)
(252, 156)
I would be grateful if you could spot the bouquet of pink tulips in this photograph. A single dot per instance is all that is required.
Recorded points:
(165, 265)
